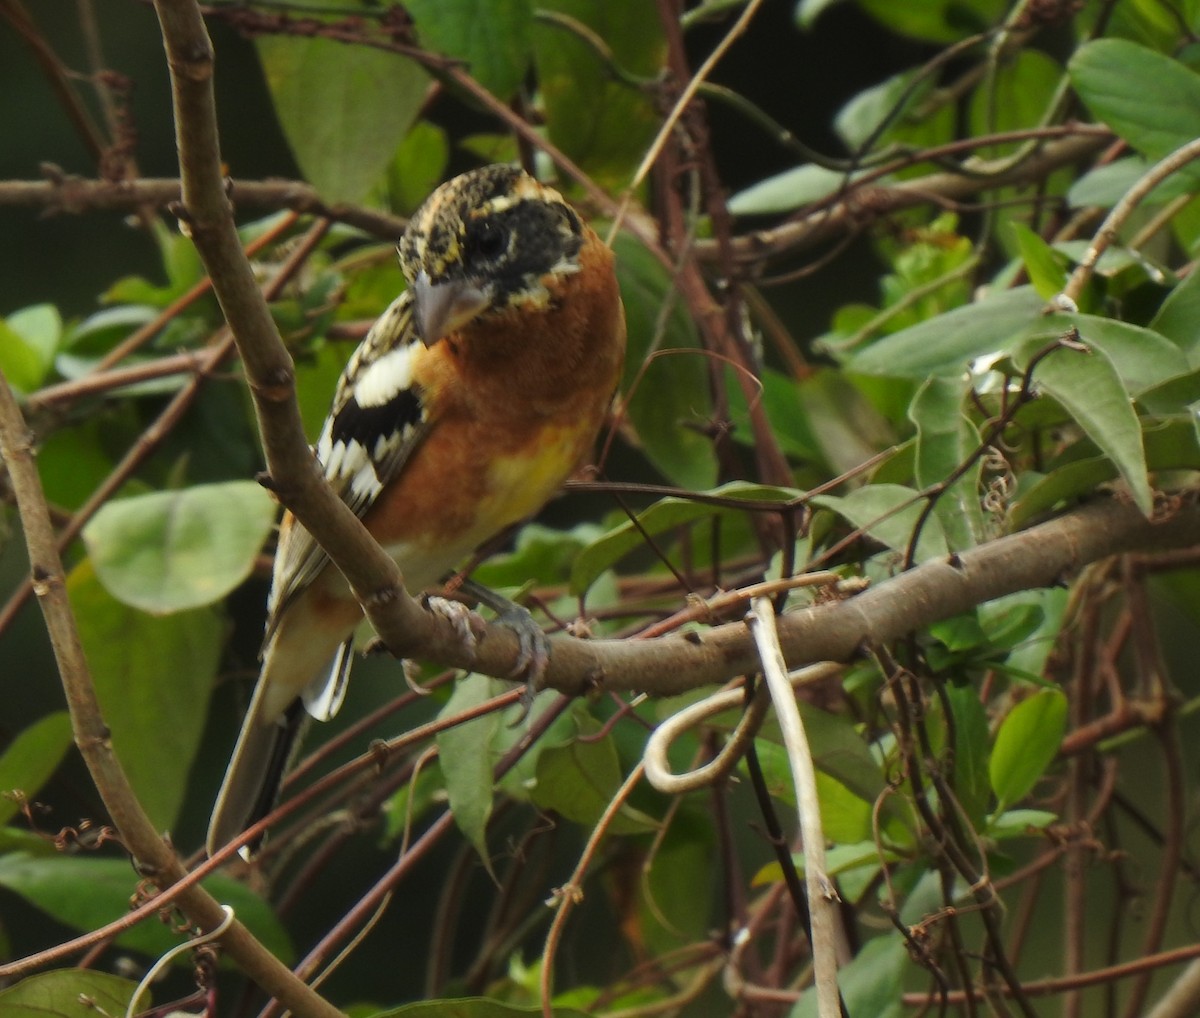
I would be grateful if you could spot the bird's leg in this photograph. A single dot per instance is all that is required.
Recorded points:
(532, 643)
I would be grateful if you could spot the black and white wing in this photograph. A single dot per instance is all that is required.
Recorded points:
(377, 419)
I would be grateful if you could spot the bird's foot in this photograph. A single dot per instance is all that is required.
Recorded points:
(533, 645)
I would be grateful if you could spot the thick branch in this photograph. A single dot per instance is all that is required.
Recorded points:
(207, 215)
(154, 855)
(1042, 556)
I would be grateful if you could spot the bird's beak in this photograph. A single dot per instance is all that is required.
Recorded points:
(439, 308)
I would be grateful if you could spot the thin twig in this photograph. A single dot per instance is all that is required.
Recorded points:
(822, 896)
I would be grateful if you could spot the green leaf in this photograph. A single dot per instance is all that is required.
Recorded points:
(29, 339)
(417, 167)
(673, 914)
(665, 514)
(68, 993)
(31, 758)
(1046, 268)
(343, 108)
(845, 814)
(666, 375)
(602, 122)
(945, 345)
(1016, 97)
(861, 118)
(945, 438)
(1019, 823)
(466, 755)
(1026, 743)
(889, 513)
(1107, 183)
(493, 37)
(1089, 388)
(153, 676)
(788, 190)
(171, 551)
(579, 780)
(1115, 78)
(1179, 318)
(972, 785)
(1142, 357)
(87, 892)
(869, 983)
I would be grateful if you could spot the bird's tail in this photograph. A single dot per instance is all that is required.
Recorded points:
(262, 756)
(304, 666)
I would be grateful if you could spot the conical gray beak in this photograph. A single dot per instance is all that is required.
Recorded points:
(439, 308)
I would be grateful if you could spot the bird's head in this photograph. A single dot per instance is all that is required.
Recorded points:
(482, 243)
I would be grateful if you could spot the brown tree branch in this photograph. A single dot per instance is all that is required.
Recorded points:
(64, 193)
(154, 855)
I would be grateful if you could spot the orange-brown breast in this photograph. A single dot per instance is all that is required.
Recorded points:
(517, 401)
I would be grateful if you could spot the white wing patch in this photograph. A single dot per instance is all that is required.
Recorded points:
(385, 378)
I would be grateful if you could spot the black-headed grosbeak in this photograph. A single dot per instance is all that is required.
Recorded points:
(470, 401)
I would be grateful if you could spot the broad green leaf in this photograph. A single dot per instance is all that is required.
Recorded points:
(1107, 183)
(862, 117)
(1179, 317)
(972, 785)
(1115, 77)
(542, 554)
(1029, 655)
(1016, 97)
(578, 780)
(673, 913)
(945, 438)
(153, 676)
(1019, 823)
(870, 983)
(666, 376)
(1062, 484)
(1168, 399)
(343, 108)
(170, 551)
(945, 345)
(19, 363)
(68, 993)
(492, 37)
(1046, 268)
(87, 892)
(665, 514)
(1089, 388)
(29, 339)
(788, 190)
(846, 427)
(1142, 357)
(466, 754)
(417, 167)
(1170, 443)
(602, 122)
(1026, 743)
(31, 758)
(845, 815)
(889, 513)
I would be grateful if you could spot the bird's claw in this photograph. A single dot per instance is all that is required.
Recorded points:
(533, 654)
(468, 626)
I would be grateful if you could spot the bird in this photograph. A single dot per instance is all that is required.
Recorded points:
(479, 390)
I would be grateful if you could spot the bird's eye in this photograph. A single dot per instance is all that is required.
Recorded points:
(487, 239)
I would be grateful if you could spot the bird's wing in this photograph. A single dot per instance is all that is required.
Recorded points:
(376, 421)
